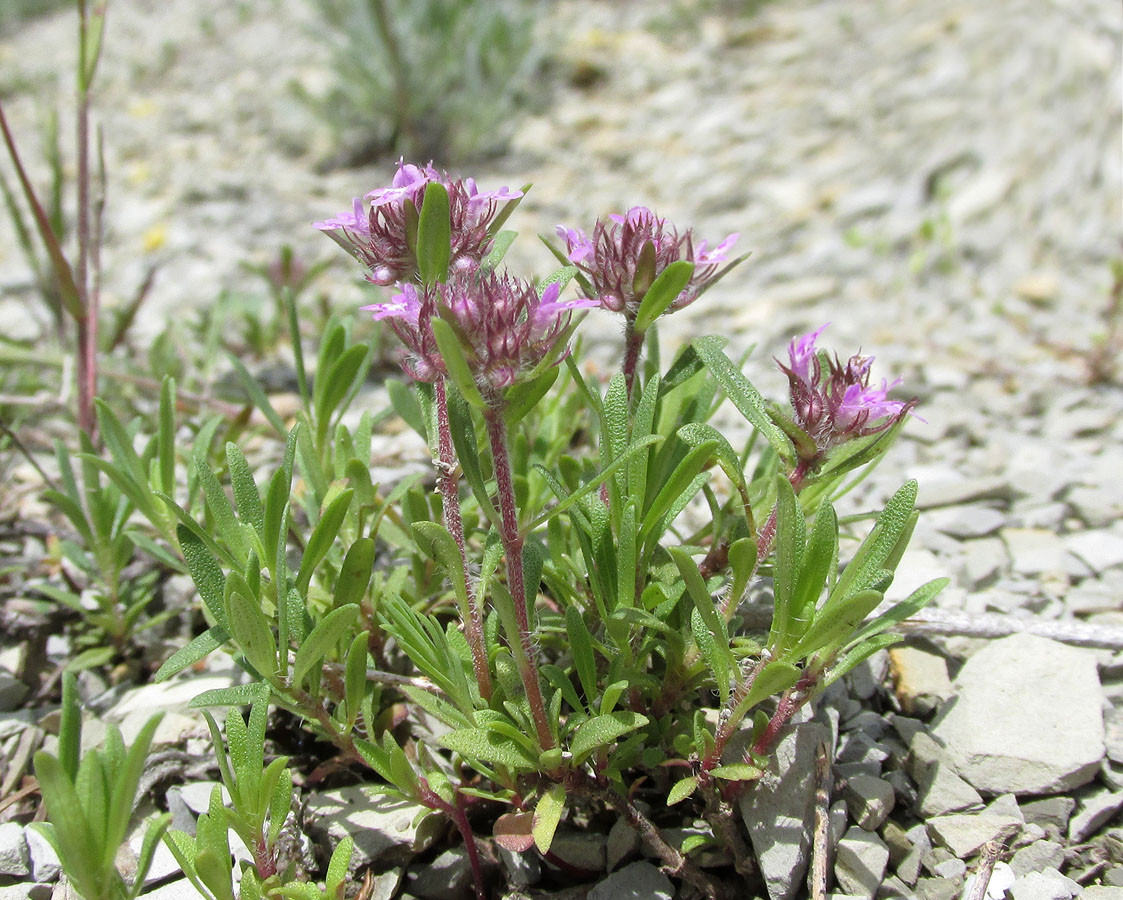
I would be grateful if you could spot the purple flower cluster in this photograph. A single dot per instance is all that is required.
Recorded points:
(382, 237)
(506, 328)
(837, 405)
(628, 252)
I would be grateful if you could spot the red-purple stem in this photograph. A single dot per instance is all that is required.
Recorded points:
(513, 550)
(447, 483)
(455, 811)
(633, 344)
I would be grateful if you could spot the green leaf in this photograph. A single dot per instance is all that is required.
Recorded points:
(600, 731)
(435, 541)
(226, 524)
(581, 646)
(835, 622)
(737, 772)
(252, 633)
(774, 678)
(165, 439)
(239, 695)
(336, 877)
(245, 489)
(911, 605)
(671, 282)
(405, 405)
(210, 640)
(525, 395)
(152, 836)
(323, 640)
(337, 381)
(682, 789)
(78, 844)
(355, 677)
(205, 572)
(489, 746)
(70, 726)
(322, 537)
(256, 395)
(864, 570)
(455, 361)
(499, 247)
(679, 480)
(743, 395)
(547, 815)
(434, 246)
(355, 573)
(717, 655)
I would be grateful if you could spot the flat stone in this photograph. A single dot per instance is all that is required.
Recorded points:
(936, 889)
(1047, 885)
(45, 864)
(1094, 812)
(1100, 550)
(623, 841)
(870, 800)
(1102, 892)
(583, 849)
(1049, 812)
(964, 833)
(933, 495)
(860, 862)
(14, 859)
(971, 521)
(383, 828)
(920, 679)
(778, 806)
(636, 881)
(1038, 856)
(1034, 551)
(523, 869)
(385, 886)
(182, 889)
(984, 562)
(1027, 717)
(448, 877)
(1095, 507)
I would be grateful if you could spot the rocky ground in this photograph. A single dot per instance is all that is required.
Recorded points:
(940, 180)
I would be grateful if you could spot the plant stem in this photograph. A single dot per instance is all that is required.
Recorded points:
(455, 811)
(448, 484)
(633, 345)
(513, 550)
(87, 300)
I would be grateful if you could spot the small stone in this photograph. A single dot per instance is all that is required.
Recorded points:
(870, 800)
(1100, 550)
(867, 677)
(1095, 507)
(1047, 885)
(1049, 812)
(196, 796)
(45, 864)
(936, 889)
(1027, 717)
(14, 859)
(12, 691)
(448, 877)
(523, 869)
(984, 561)
(933, 495)
(1038, 856)
(382, 827)
(972, 521)
(964, 833)
(1102, 892)
(585, 850)
(385, 886)
(920, 679)
(623, 841)
(1094, 811)
(778, 806)
(1038, 287)
(1034, 551)
(954, 869)
(940, 791)
(636, 881)
(860, 862)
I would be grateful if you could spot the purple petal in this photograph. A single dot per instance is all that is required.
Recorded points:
(704, 257)
(801, 353)
(356, 220)
(405, 306)
(578, 245)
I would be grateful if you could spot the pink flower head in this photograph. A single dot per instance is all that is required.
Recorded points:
(628, 252)
(838, 405)
(408, 313)
(381, 239)
(507, 329)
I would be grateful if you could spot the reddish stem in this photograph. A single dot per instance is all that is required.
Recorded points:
(455, 811)
(633, 345)
(513, 550)
(447, 482)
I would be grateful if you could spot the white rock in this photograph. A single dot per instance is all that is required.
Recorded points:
(1026, 718)
(1047, 885)
(383, 828)
(1101, 550)
(45, 864)
(860, 861)
(14, 858)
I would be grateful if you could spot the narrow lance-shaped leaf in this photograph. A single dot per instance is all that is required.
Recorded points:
(434, 246)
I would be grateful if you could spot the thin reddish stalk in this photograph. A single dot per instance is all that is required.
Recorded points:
(512, 549)
(447, 483)
(633, 344)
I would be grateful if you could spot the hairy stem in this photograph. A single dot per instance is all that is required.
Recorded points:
(455, 811)
(513, 550)
(448, 484)
(633, 345)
